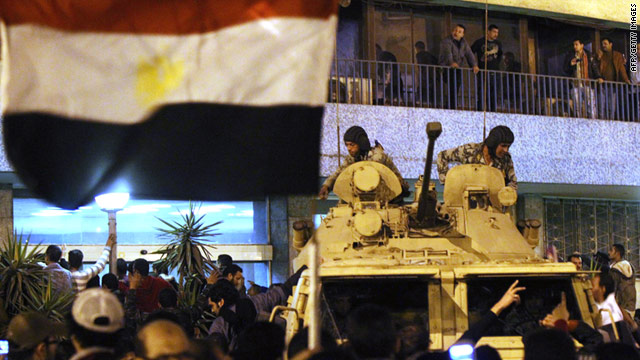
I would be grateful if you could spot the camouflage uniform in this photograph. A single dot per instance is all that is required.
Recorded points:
(472, 154)
(375, 154)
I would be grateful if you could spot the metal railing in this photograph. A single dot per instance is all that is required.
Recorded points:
(441, 87)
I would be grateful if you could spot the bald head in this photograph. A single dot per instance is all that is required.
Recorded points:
(161, 338)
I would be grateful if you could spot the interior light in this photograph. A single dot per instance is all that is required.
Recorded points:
(461, 352)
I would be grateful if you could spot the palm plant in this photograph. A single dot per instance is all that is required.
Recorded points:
(22, 279)
(25, 285)
(187, 250)
(53, 305)
(188, 299)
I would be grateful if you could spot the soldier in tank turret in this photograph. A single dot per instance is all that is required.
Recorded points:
(494, 151)
(359, 147)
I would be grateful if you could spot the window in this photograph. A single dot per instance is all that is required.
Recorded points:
(542, 295)
(406, 299)
(86, 228)
(587, 226)
(242, 222)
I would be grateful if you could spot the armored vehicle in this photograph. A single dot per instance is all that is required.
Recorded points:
(436, 265)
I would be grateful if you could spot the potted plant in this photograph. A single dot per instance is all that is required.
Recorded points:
(187, 252)
(25, 285)
(187, 248)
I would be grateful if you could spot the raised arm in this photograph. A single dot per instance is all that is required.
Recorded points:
(478, 329)
(81, 277)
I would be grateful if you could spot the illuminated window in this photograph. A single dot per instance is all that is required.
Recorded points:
(137, 223)
(243, 223)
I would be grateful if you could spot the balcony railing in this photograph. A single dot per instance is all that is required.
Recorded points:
(430, 86)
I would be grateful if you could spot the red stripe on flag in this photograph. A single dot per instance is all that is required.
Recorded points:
(156, 16)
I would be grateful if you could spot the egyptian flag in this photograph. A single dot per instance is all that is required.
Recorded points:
(170, 99)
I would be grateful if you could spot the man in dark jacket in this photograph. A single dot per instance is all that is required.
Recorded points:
(389, 74)
(489, 56)
(623, 275)
(580, 64)
(426, 77)
(453, 52)
(235, 313)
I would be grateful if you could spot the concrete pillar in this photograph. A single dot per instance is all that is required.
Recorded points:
(279, 238)
(6, 211)
(531, 206)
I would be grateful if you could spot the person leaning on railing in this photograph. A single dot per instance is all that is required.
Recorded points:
(454, 49)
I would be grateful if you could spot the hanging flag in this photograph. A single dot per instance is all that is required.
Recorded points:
(173, 99)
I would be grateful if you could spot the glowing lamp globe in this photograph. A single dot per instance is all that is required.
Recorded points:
(112, 201)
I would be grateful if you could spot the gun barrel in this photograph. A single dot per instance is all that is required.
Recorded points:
(434, 129)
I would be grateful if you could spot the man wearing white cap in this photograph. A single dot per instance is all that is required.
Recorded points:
(96, 317)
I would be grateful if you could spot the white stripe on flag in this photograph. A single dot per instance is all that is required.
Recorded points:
(121, 78)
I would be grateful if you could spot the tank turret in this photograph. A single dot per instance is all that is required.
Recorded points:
(471, 225)
(440, 264)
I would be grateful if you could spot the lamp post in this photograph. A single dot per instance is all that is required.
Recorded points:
(111, 203)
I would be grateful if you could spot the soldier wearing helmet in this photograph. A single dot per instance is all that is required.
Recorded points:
(494, 151)
(359, 147)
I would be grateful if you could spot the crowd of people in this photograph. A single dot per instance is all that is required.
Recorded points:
(148, 324)
(456, 53)
(136, 314)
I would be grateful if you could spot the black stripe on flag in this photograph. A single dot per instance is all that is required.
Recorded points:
(184, 151)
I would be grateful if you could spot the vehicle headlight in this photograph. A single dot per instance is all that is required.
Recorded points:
(366, 178)
(367, 223)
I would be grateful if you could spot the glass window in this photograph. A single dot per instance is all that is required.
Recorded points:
(590, 226)
(242, 222)
(542, 295)
(406, 299)
(258, 272)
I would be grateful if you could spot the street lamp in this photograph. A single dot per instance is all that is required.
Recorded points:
(111, 203)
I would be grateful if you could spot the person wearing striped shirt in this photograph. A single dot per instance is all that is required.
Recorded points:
(79, 277)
